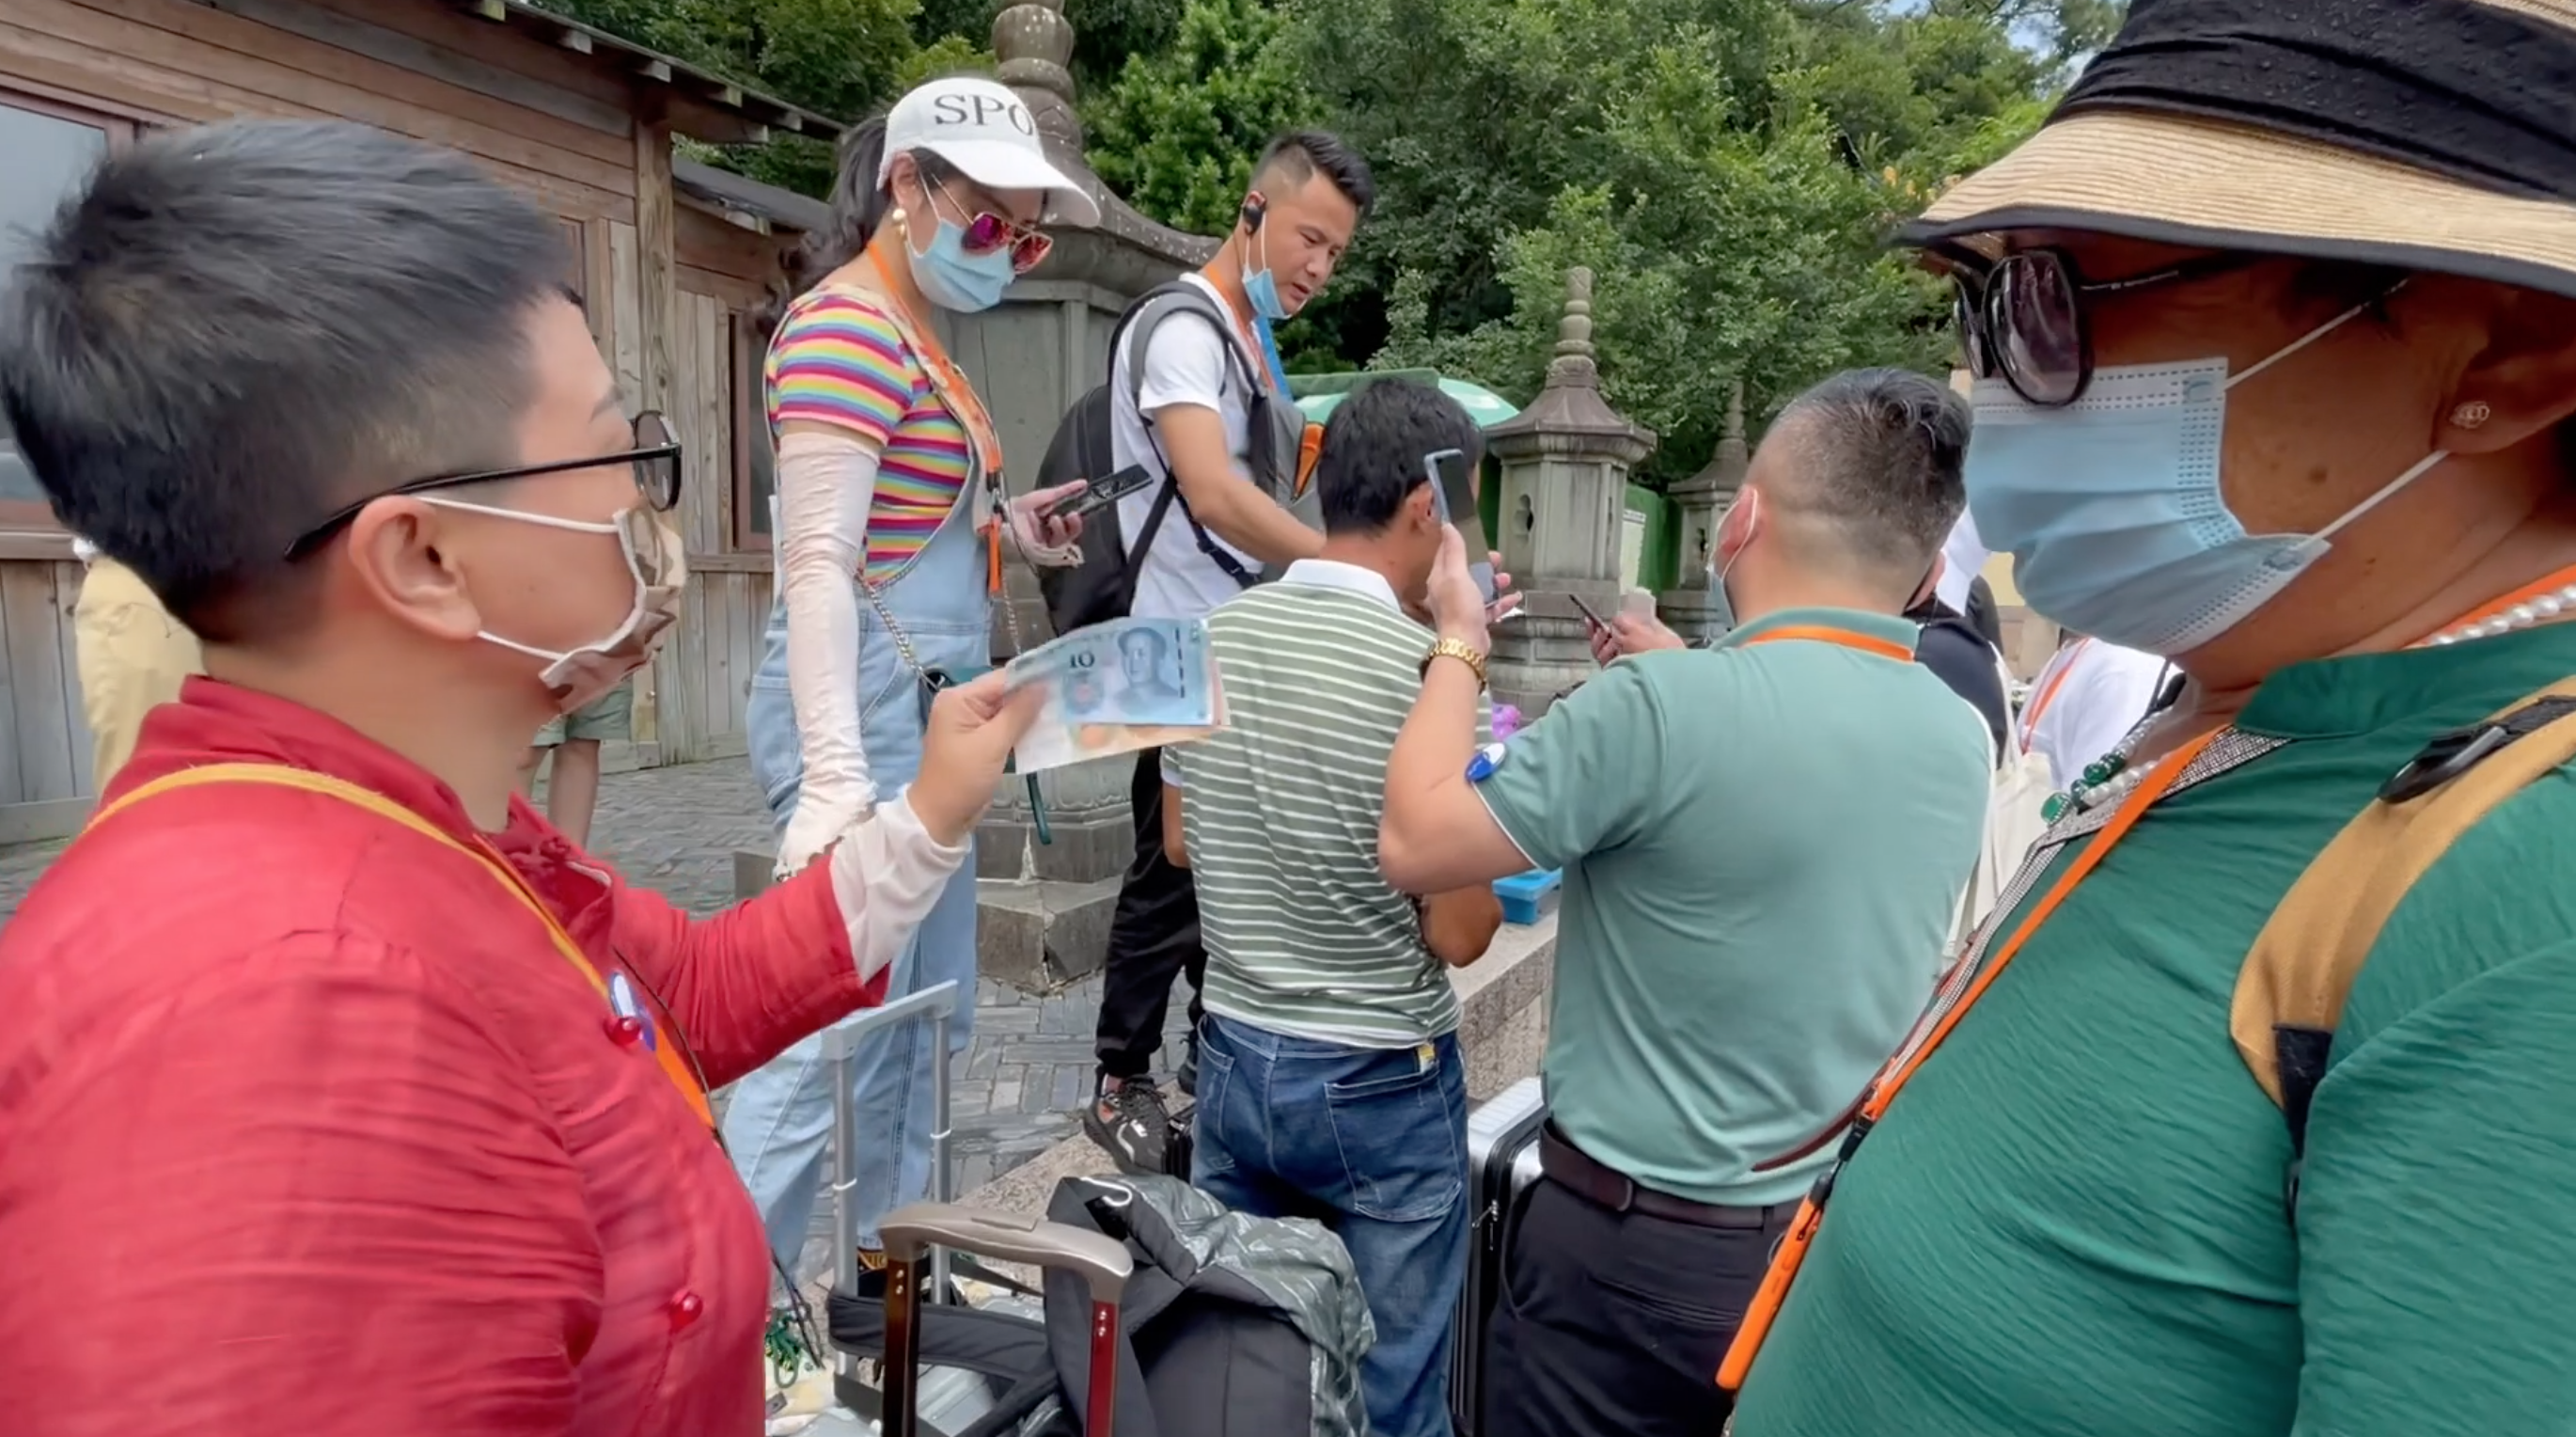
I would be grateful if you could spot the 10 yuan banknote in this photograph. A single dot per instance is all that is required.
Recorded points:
(1118, 687)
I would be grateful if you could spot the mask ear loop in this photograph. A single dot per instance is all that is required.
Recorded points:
(2386, 491)
(2320, 332)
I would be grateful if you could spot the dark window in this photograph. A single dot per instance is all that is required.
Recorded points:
(755, 465)
(46, 152)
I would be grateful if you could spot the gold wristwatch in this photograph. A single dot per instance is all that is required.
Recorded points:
(1459, 649)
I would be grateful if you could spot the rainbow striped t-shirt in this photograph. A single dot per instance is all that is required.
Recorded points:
(838, 359)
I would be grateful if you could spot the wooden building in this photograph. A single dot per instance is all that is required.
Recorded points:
(674, 260)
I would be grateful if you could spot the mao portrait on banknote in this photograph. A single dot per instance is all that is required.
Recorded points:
(1130, 684)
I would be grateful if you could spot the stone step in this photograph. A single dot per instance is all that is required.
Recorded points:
(1038, 935)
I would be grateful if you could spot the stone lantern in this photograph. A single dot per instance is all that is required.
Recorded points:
(1565, 462)
(1695, 607)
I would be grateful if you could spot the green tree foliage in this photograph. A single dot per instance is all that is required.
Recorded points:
(843, 58)
(1177, 131)
(1729, 168)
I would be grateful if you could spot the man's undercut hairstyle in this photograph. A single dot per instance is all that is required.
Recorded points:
(1374, 447)
(1874, 469)
(235, 330)
(1298, 156)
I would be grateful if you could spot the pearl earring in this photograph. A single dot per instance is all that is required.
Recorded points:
(2472, 414)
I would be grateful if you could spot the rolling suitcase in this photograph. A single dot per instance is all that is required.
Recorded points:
(912, 1233)
(1502, 1163)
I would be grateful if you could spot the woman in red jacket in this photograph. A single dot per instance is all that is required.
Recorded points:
(338, 1093)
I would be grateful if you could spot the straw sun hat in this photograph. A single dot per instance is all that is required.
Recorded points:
(2425, 134)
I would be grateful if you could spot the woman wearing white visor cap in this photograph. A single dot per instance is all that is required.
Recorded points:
(2248, 1111)
(892, 520)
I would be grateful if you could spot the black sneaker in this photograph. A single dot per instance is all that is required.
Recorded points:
(1131, 1124)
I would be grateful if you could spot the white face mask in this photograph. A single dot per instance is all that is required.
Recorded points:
(657, 559)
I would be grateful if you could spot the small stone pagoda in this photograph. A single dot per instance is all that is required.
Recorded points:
(1695, 606)
(1565, 462)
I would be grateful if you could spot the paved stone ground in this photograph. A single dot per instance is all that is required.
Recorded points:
(1015, 1092)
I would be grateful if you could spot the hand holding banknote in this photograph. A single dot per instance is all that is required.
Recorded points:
(1118, 687)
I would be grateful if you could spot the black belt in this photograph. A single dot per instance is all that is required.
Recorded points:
(1568, 1167)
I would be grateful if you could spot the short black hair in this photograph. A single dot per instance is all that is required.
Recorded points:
(1374, 446)
(1300, 155)
(1878, 455)
(234, 330)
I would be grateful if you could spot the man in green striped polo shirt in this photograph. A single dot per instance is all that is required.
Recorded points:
(1330, 1083)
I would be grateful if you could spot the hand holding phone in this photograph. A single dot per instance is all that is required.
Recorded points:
(1453, 494)
(1101, 493)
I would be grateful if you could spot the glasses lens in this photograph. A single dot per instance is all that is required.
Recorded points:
(657, 475)
(1030, 250)
(986, 233)
(2035, 328)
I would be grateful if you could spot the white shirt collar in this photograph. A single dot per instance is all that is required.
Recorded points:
(1350, 578)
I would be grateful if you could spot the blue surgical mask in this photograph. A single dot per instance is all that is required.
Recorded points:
(953, 279)
(1260, 287)
(2112, 510)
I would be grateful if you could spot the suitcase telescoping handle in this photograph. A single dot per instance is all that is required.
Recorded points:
(1099, 1260)
(841, 1049)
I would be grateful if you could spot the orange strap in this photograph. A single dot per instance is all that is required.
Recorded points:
(2048, 693)
(1826, 634)
(674, 1065)
(1765, 1307)
(950, 384)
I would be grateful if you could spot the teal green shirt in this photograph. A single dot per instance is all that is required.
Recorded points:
(2071, 1220)
(1763, 846)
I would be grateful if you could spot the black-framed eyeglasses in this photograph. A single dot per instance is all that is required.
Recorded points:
(2025, 316)
(656, 457)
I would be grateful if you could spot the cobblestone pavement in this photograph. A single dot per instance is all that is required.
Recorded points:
(1016, 1091)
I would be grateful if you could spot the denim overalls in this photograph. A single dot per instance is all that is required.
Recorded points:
(779, 1121)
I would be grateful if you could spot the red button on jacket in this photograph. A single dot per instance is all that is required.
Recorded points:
(306, 1126)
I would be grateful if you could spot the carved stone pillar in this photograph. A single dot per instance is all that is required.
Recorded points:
(1695, 607)
(1565, 462)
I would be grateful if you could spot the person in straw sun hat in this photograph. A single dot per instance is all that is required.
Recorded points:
(2274, 334)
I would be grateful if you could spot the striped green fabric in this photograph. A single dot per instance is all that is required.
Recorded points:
(1280, 813)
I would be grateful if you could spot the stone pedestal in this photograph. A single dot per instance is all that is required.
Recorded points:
(1043, 908)
(1565, 462)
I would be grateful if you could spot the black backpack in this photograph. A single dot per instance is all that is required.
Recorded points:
(1103, 586)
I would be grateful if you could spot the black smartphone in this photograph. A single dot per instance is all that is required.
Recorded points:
(1589, 617)
(1453, 489)
(1101, 493)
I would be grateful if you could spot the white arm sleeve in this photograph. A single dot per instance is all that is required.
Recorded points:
(887, 871)
(825, 485)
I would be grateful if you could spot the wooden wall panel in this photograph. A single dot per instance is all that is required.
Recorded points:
(189, 62)
(49, 748)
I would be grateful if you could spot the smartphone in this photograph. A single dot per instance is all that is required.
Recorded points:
(1589, 617)
(1453, 492)
(1101, 493)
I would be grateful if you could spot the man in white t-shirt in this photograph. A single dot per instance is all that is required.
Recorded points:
(2085, 700)
(1189, 422)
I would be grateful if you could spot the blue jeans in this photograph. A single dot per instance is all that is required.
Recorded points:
(1373, 1143)
(778, 1124)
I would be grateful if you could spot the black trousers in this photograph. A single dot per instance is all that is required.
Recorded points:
(1153, 939)
(1613, 1324)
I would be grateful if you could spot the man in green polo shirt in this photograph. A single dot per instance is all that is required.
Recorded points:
(1763, 846)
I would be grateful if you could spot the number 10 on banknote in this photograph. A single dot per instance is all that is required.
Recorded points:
(1118, 687)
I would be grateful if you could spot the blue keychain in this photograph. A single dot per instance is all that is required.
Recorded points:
(1483, 765)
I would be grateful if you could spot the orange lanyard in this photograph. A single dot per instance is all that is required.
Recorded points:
(2048, 693)
(668, 1053)
(1841, 638)
(950, 384)
(1909, 1059)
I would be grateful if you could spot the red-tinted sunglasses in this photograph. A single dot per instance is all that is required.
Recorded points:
(988, 232)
